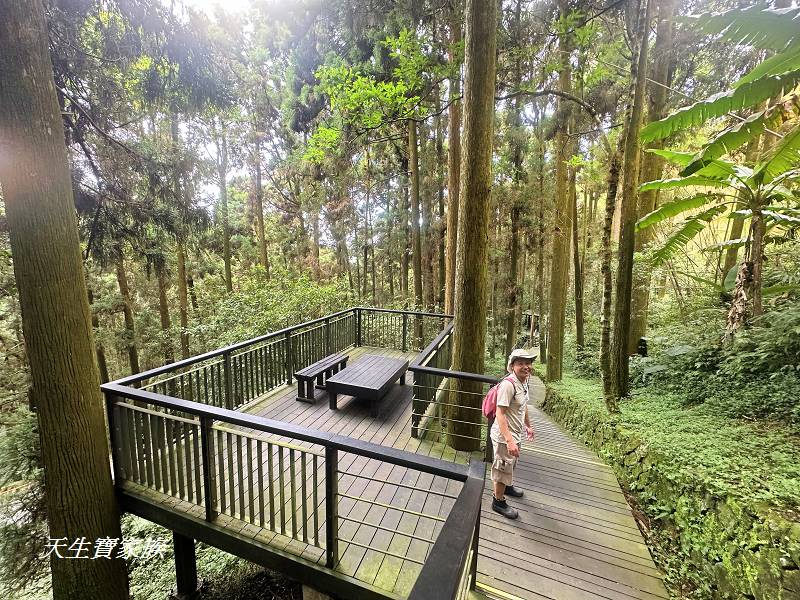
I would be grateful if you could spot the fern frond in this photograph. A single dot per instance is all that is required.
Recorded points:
(690, 228)
(746, 95)
(671, 209)
(768, 28)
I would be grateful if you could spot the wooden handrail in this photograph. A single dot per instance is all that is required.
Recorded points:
(444, 570)
(430, 348)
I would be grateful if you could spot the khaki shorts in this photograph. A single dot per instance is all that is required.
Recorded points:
(503, 465)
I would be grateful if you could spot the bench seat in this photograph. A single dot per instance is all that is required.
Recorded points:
(319, 371)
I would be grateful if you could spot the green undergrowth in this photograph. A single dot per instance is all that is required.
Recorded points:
(223, 576)
(722, 495)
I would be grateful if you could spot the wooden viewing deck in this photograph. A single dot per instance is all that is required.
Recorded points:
(253, 492)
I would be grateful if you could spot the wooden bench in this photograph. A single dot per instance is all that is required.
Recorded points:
(319, 371)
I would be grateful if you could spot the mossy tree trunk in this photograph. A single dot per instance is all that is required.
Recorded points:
(577, 269)
(652, 164)
(562, 229)
(469, 342)
(416, 238)
(453, 162)
(630, 184)
(56, 321)
(127, 311)
(222, 177)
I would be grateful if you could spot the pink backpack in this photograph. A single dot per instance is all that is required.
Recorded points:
(489, 405)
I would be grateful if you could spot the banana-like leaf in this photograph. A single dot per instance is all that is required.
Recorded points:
(671, 209)
(782, 157)
(680, 159)
(783, 62)
(680, 182)
(768, 28)
(746, 95)
(685, 234)
(729, 140)
(726, 245)
(782, 218)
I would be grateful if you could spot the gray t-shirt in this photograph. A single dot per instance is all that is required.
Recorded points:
(514, 396)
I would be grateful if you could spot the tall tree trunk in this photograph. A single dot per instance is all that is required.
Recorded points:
(652, 164)
(192, 293)
(222, 174)
(163, 312)
(513, 290)
(562, 231)
(183, 300)
(427, 231)
(541, 306)
(404, 258)
(577, 269)
(182, 196)
(315, 245)
(56, 321)
(630, 184)
(605, 268)
(127, 312)
(416, 239)
(258, 193)
(453, 162)
(731, 255)
(469, 342)
(102, 364)
(441, 230)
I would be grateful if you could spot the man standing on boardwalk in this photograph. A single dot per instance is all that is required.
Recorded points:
(512, 416)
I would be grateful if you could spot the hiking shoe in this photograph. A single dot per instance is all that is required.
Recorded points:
(514, 492)
(502, 507)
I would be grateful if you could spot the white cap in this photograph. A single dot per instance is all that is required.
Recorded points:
(519, 353)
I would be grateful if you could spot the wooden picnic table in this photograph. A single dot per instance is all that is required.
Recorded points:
(370, 378)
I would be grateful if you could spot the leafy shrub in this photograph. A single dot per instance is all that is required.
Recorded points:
(756, 376)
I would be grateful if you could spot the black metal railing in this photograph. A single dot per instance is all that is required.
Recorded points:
(443, 396)
(233, 376)
(231, 463)
(175, 431)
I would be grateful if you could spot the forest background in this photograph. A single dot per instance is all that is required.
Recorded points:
(237, 173)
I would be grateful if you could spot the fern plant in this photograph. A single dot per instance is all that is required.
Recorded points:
(762, 192)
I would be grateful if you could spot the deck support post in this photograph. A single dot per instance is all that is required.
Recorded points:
(328, 350)
(289, 358)
(227, 373)
(209, 483)
(331, 506)
(185, 567)
(358, 327)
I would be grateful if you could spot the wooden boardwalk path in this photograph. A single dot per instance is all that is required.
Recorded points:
(575, 537)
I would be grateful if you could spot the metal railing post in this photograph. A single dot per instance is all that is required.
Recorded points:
(331, 506)
(209, 480)
(289, 358)
(228, 375)
(405, 332)
(358, 327)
